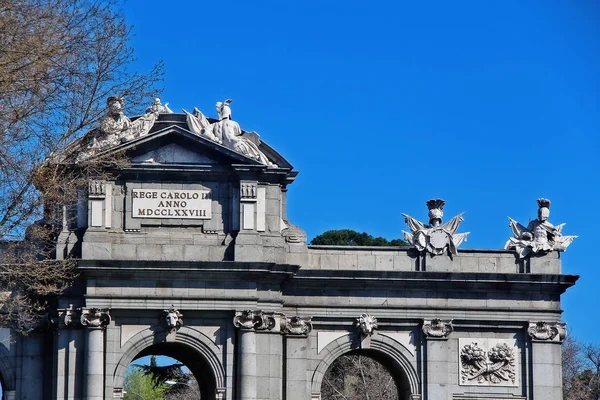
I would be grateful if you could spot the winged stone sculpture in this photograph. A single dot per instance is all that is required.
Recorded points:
(539, 236)
(435, 238)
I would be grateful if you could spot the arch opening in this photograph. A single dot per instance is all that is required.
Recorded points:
(182, 373)
(361, 374)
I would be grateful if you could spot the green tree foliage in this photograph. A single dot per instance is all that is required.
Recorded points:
(348, 237)
(357, 377)
(139, 385)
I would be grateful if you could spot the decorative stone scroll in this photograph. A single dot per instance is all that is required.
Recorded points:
(257, 320)
(366, 324)
(172, 319)
(485, 363)
(540, 236)
(296, 325)
(437, 328)
(542, 330)
(95, 318)
(435, 238)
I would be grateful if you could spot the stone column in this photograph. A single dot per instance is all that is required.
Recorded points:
(296, 330)
(247, 322)
(95, 320)
(546, 339)
(436, 333)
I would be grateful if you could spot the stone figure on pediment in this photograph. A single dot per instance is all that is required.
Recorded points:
(435, 238)
(227, 132)
(539, 236)
(159, 108)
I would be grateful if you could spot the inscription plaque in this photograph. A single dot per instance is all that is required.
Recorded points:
(160, 203)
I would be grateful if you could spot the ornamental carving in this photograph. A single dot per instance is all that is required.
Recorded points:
(494, 367)
(95, 318)
(547, 330)
(249, 319)
(366, 324)
(296, 325)
(437, 328)
(248, 191)
(435, 238)
(172, 319)
(540, 236)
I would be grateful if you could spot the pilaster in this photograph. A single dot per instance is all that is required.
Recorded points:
(546, 339)
(95, 320)
(436, 333)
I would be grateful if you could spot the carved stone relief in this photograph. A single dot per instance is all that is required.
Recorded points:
(296, 325)
(257, 320)
(435, 238)
(437, 328)
(488, 362)
(540, 236)
(172, 319)
(366, 324)
(542, 330)
(95, 318)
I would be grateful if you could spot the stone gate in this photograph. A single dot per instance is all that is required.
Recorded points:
(188, 253)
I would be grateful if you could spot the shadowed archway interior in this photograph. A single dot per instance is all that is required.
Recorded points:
(192, 359)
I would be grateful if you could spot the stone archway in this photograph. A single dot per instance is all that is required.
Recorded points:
(392, 354)
(189, 346)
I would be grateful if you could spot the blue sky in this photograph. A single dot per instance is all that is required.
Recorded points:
(384, 105)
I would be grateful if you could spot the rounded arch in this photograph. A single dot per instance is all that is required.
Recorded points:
(187, 345)
(382, 347)
(7, 373)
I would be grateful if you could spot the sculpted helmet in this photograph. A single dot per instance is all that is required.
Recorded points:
(435, 209)
(544, 209)
(223, 109)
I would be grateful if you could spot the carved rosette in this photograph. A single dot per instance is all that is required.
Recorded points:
(366, 324)
(95, 318)
(437, 328)
(542, 330)
(172, 319)
(256, 320)
(296, 325)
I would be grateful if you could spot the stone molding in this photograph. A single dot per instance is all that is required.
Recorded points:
(95, 318)
(172, 319)
(437, 328)
(296, 326)
(253, 320)
(366, 324)
(546, 331)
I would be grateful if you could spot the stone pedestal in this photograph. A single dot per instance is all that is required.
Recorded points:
(247, 364)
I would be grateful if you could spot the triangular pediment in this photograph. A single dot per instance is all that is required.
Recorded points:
(174, 145)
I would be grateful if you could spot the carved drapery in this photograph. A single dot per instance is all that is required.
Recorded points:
(542, 330)
(437, 328)
(296, 325)
(95, 318)
(256, 320)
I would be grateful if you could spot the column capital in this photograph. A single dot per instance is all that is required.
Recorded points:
(437, 328)
(547, 331)
(296, 326)
(253, 320)
(95, 318)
